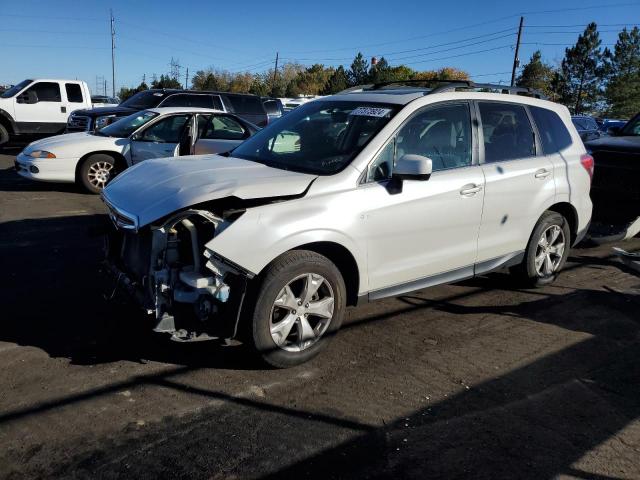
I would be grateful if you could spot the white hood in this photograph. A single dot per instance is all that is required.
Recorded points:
(75, 145)
(155, 188)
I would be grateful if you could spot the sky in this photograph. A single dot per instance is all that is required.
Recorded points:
(71, 39)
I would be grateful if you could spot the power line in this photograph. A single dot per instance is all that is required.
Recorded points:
(453, 48)
(462, 54)
(48, 17)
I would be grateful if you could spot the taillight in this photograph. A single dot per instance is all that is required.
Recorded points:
(588, 163)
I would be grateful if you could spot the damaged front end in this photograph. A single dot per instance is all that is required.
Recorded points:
(190, 292)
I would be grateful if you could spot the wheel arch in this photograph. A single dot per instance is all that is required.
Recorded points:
(569, 212)
(7, 121)
(121, 162)
(344, 260)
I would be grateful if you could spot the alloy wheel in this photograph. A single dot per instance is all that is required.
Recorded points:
(549, 251)
(99, 174)
(302, 312)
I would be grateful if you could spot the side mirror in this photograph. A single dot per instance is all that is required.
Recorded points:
(613, 131)
(28, 97)
(413, 167)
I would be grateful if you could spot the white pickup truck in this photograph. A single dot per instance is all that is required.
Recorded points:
(40, 107)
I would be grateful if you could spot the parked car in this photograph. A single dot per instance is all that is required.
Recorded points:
(248, 107)
(349, 198)
(587, 127)
(95, 118)
(40, 107)
(617, 160)
(94, 158)
(104, 101)
(273, 107)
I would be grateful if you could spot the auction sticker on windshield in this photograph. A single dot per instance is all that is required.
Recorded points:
(370, 111)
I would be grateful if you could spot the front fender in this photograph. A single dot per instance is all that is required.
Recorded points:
(260, 235)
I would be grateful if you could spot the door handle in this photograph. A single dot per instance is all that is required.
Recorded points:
(470, 190)
(542, 173)
(63, 109)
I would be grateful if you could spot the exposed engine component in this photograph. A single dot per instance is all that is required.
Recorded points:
(184, 286)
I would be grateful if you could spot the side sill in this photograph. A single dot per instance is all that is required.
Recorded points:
(441, 278)
(452, 276)
(508, 260)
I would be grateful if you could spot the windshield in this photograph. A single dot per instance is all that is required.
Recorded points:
(632, 128)
(127, 125)
(142, 100)
(16, 88)
(320, 137)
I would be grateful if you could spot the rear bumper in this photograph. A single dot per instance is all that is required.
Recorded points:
(47, 169)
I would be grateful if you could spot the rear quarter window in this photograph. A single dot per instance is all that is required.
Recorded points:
(554, 135)
(245, 104)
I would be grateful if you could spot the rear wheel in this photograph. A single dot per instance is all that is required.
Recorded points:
(299, 305)
(96, 171)
(547, 250)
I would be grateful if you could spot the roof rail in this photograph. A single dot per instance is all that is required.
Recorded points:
(507, 89)
(449, 85)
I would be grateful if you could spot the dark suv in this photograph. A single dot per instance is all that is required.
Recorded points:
(248, 107)
(617, 170)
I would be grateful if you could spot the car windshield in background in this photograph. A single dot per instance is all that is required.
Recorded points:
(632, 127)
(320, 137)
(15, 89)
(142, 100)
(127, 125)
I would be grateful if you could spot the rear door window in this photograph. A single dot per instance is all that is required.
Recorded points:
(74, 92)
(507, 132)
(246, 104)
(554, 135)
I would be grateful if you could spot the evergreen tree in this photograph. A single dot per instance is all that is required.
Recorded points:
(359, 73)
(337, 82)
(166, 82)
(580, 85)
(381, 72)
(536, 74)
(623, 75)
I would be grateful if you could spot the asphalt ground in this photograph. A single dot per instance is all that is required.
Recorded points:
(479, 379)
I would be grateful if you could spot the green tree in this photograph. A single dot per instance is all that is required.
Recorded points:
(166, 82)
(582, 71)
(126, 92)
(536, 74)
(337, 82)
(359, 72)
(623, 75)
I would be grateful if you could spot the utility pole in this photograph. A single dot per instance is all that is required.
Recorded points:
(105, 87)
(275, 72)
(516, 60)
(144, 78)
(186, 80)
(113, 57)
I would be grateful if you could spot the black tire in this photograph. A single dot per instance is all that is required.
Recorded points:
(90, 179)
(277, 276)
(527, 270)
(4, 135)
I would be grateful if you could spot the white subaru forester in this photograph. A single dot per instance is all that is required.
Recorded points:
(362, 195)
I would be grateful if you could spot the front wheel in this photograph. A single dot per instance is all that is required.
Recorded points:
(96, 171)
(547, 250)
(4, 135)
(299, 306)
